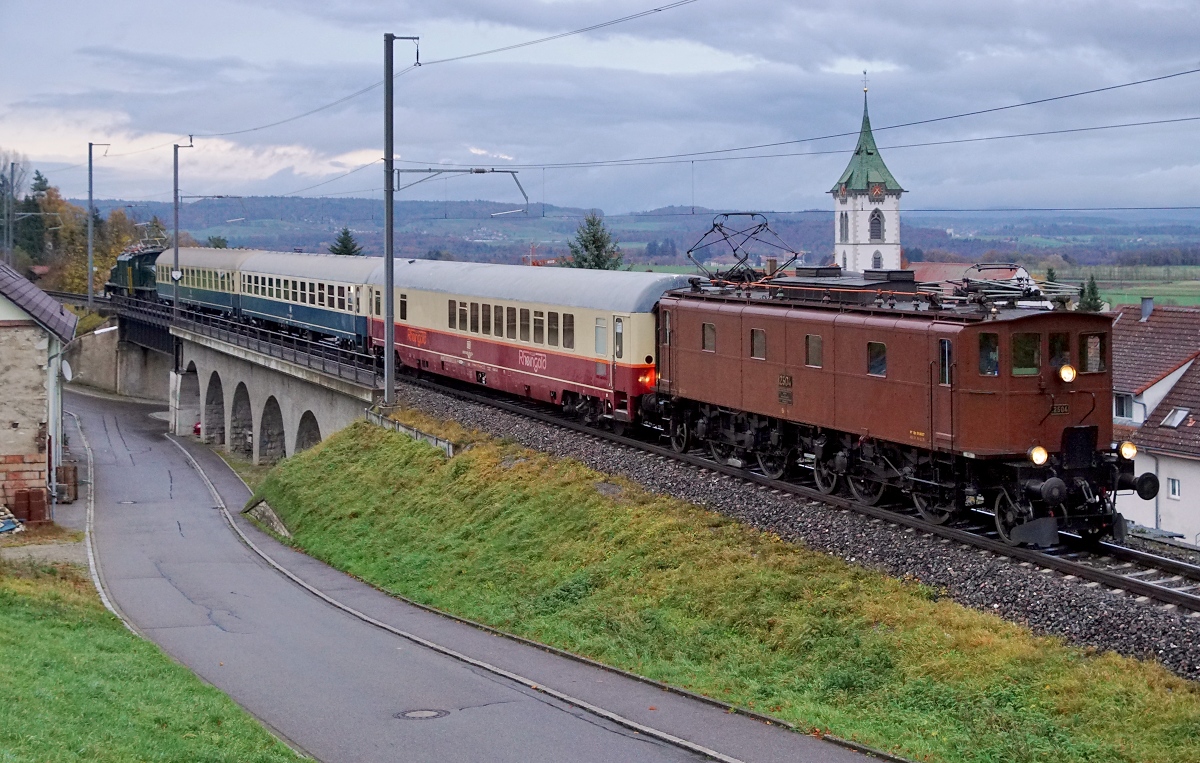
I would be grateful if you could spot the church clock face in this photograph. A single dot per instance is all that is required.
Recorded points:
(877, 190)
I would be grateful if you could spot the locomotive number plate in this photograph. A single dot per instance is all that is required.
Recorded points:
(785, 396)
(785, 380)
(1060, 409)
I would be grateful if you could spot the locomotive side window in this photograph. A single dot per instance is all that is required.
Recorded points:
(487, 318)
(876, 359)
(989, 354)
(403, 307)
(709, 338)
(1092, 353)
(512, 323)
(945, 359)
(666, 327)
(619, 337)
(524, 324)
(475, 317)
(814, 350)
(601, 337)
(1026, 354)
(569, 331)
(552, 329)
(758, 344)
(1060, 350)
(452, 313)
(539, 327)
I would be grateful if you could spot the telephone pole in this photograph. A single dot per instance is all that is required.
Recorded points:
(175, 273)
(91, 271)
(389, 194)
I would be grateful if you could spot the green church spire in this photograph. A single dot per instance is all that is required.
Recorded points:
(866, 171)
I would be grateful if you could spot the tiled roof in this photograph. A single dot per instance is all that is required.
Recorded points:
(40, 306)
(1144, 353)
(1185, 438)
(866, 167)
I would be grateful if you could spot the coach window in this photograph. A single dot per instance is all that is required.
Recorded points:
(619, 337)
(452, 316)
(403, 307)
(601, 336)
(814, 351)
(708, 338)
(511, 322)
(1092, 353)
(524, 324)
(475, 317)
(758, 344)
(989, 354)
(378, 300)
(539, 327)
(462, 316)
(487, 318)
(568, 331)
(341, 298)
(1026, 354)
(257, 287)
(499, 321)
(945, 359)
(876, 359)
(1060, 350)
(312, 293)
(552, 329)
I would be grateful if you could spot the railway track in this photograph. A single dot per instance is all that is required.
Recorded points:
(1120, 569)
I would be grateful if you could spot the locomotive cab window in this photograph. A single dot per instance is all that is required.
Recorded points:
(989, 354)
(876, 359)
(524, 324)
(708, 338)
(1092, 352)
(1060, 350)
(1026, 354)
(758, 344)
(814, 350)
(568, 331)
(619, 337)
(945, 359)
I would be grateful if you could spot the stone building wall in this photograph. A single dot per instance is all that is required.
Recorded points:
(24, 349)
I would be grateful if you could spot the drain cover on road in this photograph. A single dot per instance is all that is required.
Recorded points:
(422, 715)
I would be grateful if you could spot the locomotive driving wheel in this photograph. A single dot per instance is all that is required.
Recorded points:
(825, 478)
(681, 435)
(1009, 515)
(935, 509)
(866, 490)
(773, 462)
(721, 452)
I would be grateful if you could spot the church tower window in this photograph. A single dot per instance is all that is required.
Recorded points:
(844, 227)
(877, 260)
(877, 226)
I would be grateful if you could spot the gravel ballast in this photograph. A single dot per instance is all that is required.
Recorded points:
(1085, 614)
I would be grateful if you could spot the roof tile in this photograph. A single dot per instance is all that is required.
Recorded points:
(1185, 438)
(39, 305)
(1145, 352)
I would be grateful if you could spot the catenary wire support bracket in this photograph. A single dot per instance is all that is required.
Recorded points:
(432, 173)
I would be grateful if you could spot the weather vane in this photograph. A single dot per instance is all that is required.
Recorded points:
(864, 80)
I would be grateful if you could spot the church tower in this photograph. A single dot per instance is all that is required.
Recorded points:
(866, 203)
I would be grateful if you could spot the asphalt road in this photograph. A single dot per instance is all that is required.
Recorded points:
(329, 683)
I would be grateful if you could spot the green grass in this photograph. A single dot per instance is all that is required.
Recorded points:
(556, 552)
(77, 686)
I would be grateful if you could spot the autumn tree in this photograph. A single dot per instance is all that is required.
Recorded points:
(345, 244)
(594, 247)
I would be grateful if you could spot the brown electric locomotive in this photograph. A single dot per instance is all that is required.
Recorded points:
(1003, 405)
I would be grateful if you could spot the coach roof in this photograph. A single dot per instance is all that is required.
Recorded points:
(620, 291)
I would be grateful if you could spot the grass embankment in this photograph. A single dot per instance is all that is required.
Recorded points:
(78, 686)
(40, 534)
(556, 552)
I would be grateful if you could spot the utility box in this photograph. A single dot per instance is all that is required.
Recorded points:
(68, 483)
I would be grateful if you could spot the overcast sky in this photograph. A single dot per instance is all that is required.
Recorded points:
(709, 75)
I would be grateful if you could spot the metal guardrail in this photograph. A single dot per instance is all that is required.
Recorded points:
(380, 420)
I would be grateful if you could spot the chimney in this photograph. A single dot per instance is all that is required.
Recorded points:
(1147, 308)
(772, 266)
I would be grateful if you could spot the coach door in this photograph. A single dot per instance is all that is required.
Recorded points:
(620, 348)
(943, 370)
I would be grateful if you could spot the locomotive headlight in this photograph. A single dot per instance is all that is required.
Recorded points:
(1128, 450)
(1067, 373)
(1038, 455)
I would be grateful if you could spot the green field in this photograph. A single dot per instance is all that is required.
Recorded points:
(556, 552)
(77, 686)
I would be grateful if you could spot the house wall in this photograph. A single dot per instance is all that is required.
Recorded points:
(25, 349)
(1145, 403)
(1179, 515)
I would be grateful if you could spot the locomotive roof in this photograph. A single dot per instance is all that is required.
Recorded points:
(619, 291)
